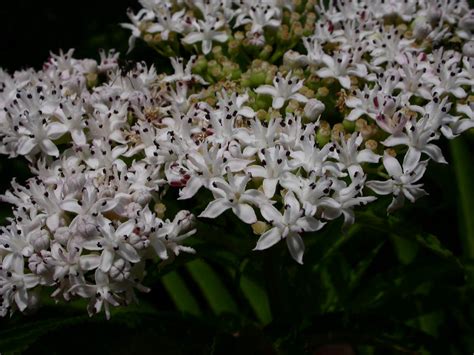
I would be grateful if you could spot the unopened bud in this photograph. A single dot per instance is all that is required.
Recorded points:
(313, 109)
(260, 227)
(468, 49)
(160, 209)
(391, 152)
(371, 144)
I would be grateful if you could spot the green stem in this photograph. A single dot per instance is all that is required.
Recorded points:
(462, 163)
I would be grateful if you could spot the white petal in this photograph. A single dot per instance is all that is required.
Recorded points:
(396, 203)
(435, 153)
(267, 90)
(192, 187)
(268, 239)
(129, 253)
(345, 81)
(355, 114)
(49, 147)
(462, 125)
(220, 37)
(269, 187)
(125, 229)
(21, 299)
(380, 187)
(392, 166)
(26, 146)
(270, 213)
(216, 208)
(257, 171)
(52, 222)
(89, 262)
(206, 46)
(411, 159)
(368, 156)
(325, 73)
(193, 38)
(106, 260)
(55, 130)
(299, 98)
(160, 248)
(278, 102)
(247, 112)
(245, 213)
(71, 206)
(78, 136)
(296, 247)
(396, 140)
(459, 92)
(309, 224)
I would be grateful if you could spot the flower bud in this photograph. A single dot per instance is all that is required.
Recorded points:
(160, 209)
(468, 49)
(324, 133)
(313, 109)
(62, 235)
(40, 240)
(120, 270)
(371, 144)
(467, 22)
(293, 59)
(422, 29)
(259, 227)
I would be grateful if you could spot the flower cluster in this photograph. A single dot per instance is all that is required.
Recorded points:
(289, 114)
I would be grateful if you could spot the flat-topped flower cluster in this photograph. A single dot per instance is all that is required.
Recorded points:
(289, 114)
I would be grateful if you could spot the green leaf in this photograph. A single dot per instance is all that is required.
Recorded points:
(180, 294)
(257, 297)
(213, 289)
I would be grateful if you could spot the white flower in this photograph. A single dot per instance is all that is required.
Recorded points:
(466, 123)
(283, 89)
(112, 242)
(167, 22)
(206, 32)
(14, 286)
(417, 137)
(287, 226)
(345, 198)
(101, 293)
(169, 235)
(340, 67)
(38, 135)
(260, 16)
(233, 195)
(274, 165)
(402, 183)
(136, 25)
(313, 109)
(183, 73)
(350, 157)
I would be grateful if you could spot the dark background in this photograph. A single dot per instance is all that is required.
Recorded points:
(31, 29)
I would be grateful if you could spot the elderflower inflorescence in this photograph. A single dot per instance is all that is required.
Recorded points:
(289, 113)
